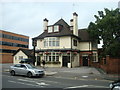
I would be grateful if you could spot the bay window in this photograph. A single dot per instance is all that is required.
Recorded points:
(51, 42)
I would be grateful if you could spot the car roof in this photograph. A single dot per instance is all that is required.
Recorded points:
(22, 64)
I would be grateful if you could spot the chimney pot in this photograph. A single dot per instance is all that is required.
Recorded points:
(75, 14)
(45, 24)
(71, 20)
(45, 19)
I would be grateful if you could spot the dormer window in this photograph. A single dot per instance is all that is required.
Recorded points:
(50, 29)
(56, 28)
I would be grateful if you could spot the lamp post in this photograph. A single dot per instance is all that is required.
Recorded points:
(34, 44)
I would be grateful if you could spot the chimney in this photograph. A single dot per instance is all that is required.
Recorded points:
(75, 23)
(71, 22)
(45, 24)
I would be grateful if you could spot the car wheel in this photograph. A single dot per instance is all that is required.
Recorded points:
(29, 74)
(12, 73)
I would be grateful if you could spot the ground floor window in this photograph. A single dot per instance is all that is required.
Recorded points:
(95, 57)
(20, 57)
(52, 57)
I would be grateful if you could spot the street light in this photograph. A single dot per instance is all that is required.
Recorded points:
(34, 44)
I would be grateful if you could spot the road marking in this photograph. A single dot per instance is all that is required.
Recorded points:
(42, 83)
(87, 86)
(73, 78)
(77, 86)
(39, 83)
(25, 83)
(25, 80)
(98, 86)
(42, 80)
(84, 76)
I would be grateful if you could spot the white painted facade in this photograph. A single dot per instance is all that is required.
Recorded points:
(17, 58)
(66, 43)
(85, 46)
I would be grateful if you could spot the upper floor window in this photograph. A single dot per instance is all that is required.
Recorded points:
(56, 28)
(50, 29)
(75, 42)
(52, 41)
(94, 45)
(13, 44)
(14, 37)
(53, 28)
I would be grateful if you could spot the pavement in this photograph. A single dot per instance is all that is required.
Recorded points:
(76, 73)
(81, 73)
(106, 76)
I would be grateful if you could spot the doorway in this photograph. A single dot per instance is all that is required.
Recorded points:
(85, 60)
(65, 61)
(38, 61)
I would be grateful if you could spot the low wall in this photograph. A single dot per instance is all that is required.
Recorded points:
(108, 64)
(112, 65)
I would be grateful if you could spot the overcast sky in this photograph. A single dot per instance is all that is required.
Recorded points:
(26, 16)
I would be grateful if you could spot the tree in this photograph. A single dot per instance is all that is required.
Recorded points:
(107, 28)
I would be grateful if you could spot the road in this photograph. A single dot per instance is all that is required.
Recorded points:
(9, 81)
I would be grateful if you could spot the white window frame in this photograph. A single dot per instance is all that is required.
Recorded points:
(50, 29)
(56, 28)
(20, 57)
(95, 59)
(53, 54)
(52, 42)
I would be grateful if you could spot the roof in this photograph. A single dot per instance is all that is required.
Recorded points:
(28, 52)
(84, 35)
(65, 31)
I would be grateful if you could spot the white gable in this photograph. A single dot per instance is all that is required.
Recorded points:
(19, 55)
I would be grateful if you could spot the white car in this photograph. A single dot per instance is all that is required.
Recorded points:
(26, 69)
(115, 85)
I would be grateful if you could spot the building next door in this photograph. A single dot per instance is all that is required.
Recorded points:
(65, 61)
(85, 60)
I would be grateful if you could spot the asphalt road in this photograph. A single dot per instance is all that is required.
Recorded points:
(9, 81)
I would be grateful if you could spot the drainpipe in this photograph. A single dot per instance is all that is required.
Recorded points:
(71, 53)
(34, 56)
(89, 55)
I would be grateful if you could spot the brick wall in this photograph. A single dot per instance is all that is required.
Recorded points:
(112, 65)
(6, 58)
(94, 64)
(109, 65)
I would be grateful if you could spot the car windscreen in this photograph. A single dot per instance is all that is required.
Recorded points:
(30, 66)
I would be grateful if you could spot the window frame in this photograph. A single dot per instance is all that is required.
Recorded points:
(75, 42)
(50, 29)
(51, 42)
(50, 57)
(57, 28)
